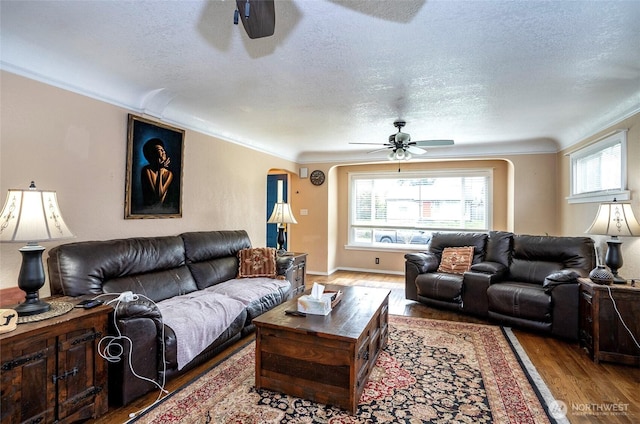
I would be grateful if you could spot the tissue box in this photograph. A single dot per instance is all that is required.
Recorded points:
(313, 306)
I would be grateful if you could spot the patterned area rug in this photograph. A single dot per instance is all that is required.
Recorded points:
(430, 372)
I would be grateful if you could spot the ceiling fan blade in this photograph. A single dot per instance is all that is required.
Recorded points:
(432, 143)
(379, 150)
(373, 144)
(416, 150)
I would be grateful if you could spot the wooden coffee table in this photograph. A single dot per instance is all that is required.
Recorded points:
(326, 359)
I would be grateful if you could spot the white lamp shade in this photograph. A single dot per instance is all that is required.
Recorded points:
(282, 214)
(32, 215)
(615, 219)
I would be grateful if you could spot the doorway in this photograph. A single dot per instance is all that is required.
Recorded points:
(272, 199)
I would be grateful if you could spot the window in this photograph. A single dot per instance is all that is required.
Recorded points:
(405, 209)
(598, 171)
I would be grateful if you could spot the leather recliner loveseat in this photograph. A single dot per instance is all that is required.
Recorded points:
(175, 273)
(519, 280)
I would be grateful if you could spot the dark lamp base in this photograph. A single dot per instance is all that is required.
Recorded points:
(613, 259)
(619, 280)
(32, 308)
(281, 239)
(30, 280)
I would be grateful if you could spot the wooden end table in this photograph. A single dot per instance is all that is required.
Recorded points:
(297, 273)
(327, 359)
(602, 333)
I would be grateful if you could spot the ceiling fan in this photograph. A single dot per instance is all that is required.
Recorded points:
(401, 147)
(258, 17)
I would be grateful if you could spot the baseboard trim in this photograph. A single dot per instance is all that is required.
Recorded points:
(372, 271)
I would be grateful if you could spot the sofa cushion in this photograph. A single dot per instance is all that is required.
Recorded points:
(456, 260)
(520, 300)
(214, 271)
(257, 262)
(535, 257)
(440, 241)
(500, 247)
(157, 286)
(84, 267)
(202, 246)
(233, 332)
(440, 286)
(212, 256)
(197, 319)
(532, 271)
(247, 290)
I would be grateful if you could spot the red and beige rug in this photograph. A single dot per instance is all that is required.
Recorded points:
(430, 372)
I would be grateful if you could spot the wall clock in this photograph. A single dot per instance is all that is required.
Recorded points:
(317, 177)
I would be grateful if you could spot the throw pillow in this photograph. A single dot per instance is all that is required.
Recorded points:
(456, 260)
(257, 262)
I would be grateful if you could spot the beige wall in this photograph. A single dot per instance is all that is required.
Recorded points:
(77, 146)
(577, 217)
(323, 233)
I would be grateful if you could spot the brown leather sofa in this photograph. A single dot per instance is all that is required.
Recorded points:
(158, 269)
(518, 280)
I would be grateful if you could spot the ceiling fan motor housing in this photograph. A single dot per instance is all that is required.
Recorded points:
(258, 17)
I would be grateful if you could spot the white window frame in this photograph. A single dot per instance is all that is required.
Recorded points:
(620, 193)
(486, 172)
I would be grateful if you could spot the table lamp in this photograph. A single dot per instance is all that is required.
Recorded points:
(615, 219)
(32, 216)
(281, 215)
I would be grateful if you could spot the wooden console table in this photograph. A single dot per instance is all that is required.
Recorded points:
(602, 333)
(51, 371)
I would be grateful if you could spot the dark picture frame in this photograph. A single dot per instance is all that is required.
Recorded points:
(153, 149)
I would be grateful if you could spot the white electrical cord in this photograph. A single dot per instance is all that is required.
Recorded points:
(113, 351)
(620, 316)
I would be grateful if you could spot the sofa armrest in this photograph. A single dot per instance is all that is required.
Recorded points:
(416, 264)
(475, 285)
(564, 276)
(144, 359)
(565, 299)
(283, 264)
(423, 261)
(137, 327)
(488, 267)
(140, 308)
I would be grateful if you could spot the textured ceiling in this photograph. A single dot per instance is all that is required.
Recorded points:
(496, 76)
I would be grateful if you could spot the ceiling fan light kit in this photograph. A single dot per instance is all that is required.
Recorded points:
(399, 154)
(402, 148)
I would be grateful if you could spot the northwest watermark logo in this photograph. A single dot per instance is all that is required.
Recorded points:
(559, 409)
(600, 409)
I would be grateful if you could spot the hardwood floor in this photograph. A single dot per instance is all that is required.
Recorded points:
(593, 393)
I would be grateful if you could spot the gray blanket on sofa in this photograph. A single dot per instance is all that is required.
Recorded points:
(198, 319)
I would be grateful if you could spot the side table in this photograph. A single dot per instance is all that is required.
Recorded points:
(51, 371)
(602, 333)
(297, 273)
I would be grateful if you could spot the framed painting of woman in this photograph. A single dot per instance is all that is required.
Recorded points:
(154, 170)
